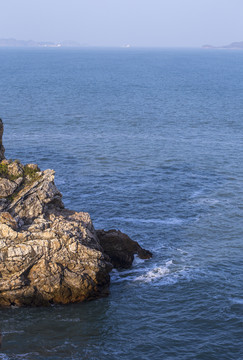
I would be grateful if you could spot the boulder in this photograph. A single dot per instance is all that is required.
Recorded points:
(57, 259)
(7, 187)
(120, 248)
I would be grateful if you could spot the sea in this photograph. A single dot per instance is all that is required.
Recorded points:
(148, 141)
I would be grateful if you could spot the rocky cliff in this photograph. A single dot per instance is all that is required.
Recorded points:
(49, 254)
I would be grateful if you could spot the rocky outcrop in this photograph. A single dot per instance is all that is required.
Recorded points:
(120, 248)
(49, 254)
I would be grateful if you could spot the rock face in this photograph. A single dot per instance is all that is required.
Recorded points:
(49, 254)
(120, 248)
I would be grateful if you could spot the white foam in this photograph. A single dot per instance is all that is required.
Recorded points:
(3, 357)
(196, 193)
(171, 273)
(183, 252)
(203, 200)
(237, 301)
(166, 272)
(121, 276)
(155, 274)
(137, 260)
(4, 332)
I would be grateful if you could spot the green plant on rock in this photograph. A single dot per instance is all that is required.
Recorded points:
(4, 172)
(31, 174)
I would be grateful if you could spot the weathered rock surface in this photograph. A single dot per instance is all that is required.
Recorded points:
(49, 254)
(120, 248)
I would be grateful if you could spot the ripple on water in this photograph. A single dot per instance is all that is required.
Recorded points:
(179, 268)
(149, 142)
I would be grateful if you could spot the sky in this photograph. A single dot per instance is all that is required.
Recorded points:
(141, 23)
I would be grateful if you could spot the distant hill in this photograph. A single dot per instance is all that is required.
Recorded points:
(31, 43)
(234, 45)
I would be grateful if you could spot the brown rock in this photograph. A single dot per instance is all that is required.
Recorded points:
(7, 187)
(120, 248)
(6, 162)
(32, 167)
(36, 197)
(58, 262)
(7, 219)
(15, 169)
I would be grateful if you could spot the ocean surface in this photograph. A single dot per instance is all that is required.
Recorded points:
(149, 142)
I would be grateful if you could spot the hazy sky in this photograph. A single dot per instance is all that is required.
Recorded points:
(119, 22)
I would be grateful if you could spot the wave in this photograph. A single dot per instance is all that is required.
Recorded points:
(236, 301)
(4, 332)
(31, 355)
(197, 193)
(4, 357)
(169, 274)
(199, 197)
(168, 221)
(155, 274)
(208, 201)
(166, 272)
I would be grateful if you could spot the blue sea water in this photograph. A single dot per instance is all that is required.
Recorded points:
(149, 142)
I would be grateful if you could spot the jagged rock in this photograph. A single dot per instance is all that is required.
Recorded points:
(2, 150)
(15, 169)
(32, 167)
(7, 219)
(36, 197)
(120, 248)
(7, 187)
(57, 259)
(49, 254)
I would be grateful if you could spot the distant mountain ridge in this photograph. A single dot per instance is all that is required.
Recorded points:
(233, 45)
(32, 43)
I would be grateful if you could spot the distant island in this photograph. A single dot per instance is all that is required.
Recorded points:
(32, 43)
(234, 45)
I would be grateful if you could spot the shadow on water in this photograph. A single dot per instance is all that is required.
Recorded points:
(59, 332)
